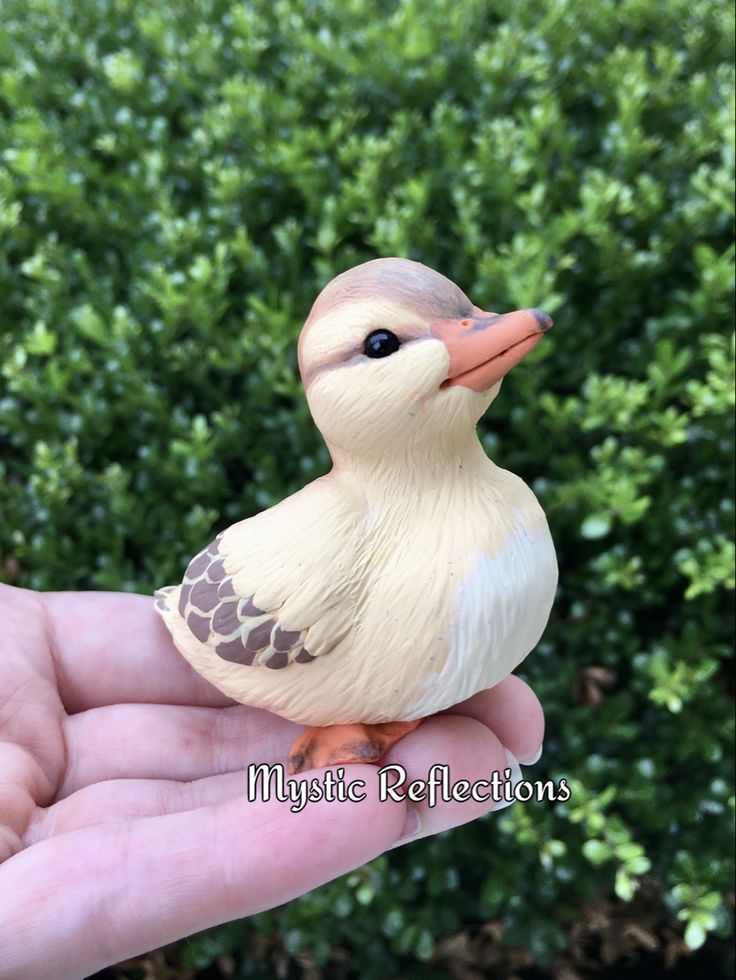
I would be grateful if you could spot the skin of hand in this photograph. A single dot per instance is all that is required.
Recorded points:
(124, 820)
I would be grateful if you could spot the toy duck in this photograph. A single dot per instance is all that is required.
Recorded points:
(413, 575)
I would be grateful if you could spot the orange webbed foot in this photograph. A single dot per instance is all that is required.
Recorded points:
(338, 745)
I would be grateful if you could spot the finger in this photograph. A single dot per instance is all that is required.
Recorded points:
(112, 647)
(169, 742)
(513, 712)
(118, 799)
(227, 739)
(125, 799)
(183, 743)
(105, 894)
(467, 750)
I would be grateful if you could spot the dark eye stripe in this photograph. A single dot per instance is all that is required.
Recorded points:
(381, 343)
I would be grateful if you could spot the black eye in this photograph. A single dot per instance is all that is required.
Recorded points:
(381, 343)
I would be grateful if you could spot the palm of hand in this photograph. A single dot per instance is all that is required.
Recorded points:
(124, 822)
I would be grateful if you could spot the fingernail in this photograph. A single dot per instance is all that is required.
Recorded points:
(533, 758)
(515, 777)
(412, 826)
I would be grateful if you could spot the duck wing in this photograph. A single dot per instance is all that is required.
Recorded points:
(274, 590)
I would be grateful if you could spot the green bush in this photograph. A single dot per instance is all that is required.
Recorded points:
(178, 181)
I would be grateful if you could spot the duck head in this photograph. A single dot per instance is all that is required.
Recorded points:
(396, 359)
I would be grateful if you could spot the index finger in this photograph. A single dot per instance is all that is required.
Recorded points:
(112, 647)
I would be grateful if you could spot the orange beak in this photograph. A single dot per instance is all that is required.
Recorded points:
(483, 348)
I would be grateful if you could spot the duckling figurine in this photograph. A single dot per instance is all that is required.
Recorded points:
(416, 572)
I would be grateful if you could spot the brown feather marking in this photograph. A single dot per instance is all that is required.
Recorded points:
(215, 613)
(197, 565)
(204, 596)
(285, 640)
(234, 652)
(216, 570)
(199, 625)
(259, 637)
(184, 598)
(225, 619)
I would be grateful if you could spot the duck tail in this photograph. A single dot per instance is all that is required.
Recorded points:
(165, 601)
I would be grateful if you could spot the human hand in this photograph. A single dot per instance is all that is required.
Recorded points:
(124, 822)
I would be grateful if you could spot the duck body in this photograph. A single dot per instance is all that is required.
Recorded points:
(415, 600)
(417, 572)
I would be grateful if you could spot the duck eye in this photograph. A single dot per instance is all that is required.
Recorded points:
(381, 343)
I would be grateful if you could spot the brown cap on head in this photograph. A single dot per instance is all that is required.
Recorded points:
(413, 285)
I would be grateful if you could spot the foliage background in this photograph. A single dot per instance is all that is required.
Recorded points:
(176, 184)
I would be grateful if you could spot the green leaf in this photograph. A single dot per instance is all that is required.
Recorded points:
(695, 934)
(597, 852)
(595, 526)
